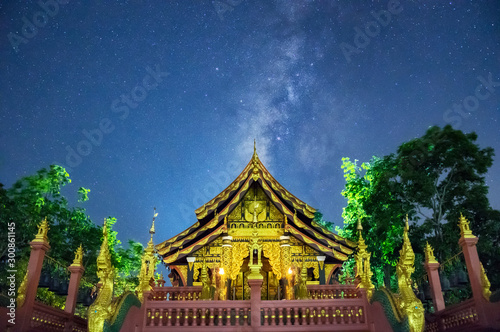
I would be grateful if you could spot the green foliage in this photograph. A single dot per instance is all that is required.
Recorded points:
(432, 179)
(83, 194)
(35, 197)
(371, 198)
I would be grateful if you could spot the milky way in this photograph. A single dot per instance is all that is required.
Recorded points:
(158, 104)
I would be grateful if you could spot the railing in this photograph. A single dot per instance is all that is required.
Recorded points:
(198, 313)
(187, 293)
(181, 308)
(314, 313)
(336, 291)
(47, 318)
(460, 315)
(193, 293)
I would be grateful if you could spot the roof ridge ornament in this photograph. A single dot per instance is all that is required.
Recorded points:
(255, 162)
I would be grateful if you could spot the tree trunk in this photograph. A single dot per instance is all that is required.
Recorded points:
(387, 276)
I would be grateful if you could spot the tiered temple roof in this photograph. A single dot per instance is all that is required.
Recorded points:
(212, 219)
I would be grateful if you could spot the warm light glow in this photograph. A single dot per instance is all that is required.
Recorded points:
(221, 271)
(290, 270)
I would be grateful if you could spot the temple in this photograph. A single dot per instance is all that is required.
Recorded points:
(292, 248)
(256, 259)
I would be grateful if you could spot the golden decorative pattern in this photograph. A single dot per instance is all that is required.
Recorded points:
(286, 259)
(183, 271)
(273, 253)
(328, 270)
(314, 266)
(485, 284)
(463, 224)
(240, 251)
(171, 258)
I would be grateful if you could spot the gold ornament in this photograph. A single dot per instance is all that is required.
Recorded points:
(78, 261)
(407, 303)
(463, 224)
(485, 284)
(21, 292)
(273, 252)
(103, 307)
(429, 254)
(43, 228)
(363, 270)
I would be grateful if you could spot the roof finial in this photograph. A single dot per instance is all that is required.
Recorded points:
(254, 150)
(152, 229)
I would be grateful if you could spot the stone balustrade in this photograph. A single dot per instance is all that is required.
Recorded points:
(47, 318)
(317, 313)
(335, 291)
(458, 316)
(227, 314)
(186, 293)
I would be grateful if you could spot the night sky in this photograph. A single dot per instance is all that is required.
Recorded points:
(158, 103)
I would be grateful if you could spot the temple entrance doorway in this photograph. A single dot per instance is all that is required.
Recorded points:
(270, 284)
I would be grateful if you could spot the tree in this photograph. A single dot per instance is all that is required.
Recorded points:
(433, 179)
(442, 174)
(35, 197)
(372, 199)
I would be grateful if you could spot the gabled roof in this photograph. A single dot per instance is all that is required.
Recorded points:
(212, 218)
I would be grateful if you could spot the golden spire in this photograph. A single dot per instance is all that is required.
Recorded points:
(429, 254)
(405, 234)
(104, 254)
(363, 269)
(78, 256)
(152, 229)
(361, 242)
(463, 224)
(43, 228)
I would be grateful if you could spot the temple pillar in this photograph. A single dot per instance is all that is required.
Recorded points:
(255, 301)
(76, 270)
(227, 248)
(473, 265)
(190, 272)
(286, 265)
(321, 263)
(468, 243)
(432, 267)
(39, 247)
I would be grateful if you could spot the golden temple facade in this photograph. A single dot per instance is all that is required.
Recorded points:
(255, 224)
